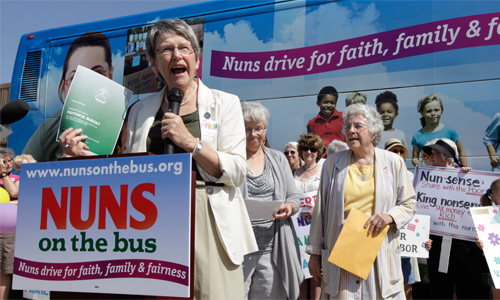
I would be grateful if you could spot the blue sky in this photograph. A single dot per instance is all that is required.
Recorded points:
(19, 17)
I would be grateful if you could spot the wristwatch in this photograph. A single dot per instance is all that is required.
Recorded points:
(198, 147)
(4, 174)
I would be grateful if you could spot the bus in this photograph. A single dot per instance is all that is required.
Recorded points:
(283, 52)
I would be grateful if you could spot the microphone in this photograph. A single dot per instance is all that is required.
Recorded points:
(13, 111)
(174, 104)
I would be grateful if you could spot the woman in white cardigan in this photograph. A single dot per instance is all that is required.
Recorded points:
(210, 126)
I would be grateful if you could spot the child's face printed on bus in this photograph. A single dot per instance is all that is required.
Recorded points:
(327, 105)
(432, 113)
(93, 58)
(388, 114)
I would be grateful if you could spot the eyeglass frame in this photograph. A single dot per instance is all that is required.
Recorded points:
(189, 48)
(258, 130)
(291, 151)
(358, 127)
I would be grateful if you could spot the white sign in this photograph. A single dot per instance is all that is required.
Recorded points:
(413, 236)
(487, 221)
(302, 227)
(446, 195)
(262, 210)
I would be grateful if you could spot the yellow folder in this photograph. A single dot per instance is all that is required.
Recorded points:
(355, 250)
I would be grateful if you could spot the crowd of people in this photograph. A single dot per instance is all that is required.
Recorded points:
(352, 160)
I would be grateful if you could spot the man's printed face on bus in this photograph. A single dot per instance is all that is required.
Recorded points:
(93, 58)
(175, 60)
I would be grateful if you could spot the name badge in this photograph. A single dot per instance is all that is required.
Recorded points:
(208, 128)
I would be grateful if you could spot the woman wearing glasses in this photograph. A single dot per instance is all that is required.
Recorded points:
(371, 180)
(292, 155)
(274, 271)
(210, 126)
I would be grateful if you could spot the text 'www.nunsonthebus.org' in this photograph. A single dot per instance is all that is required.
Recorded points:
(113, 168)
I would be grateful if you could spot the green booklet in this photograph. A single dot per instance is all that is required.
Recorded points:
(97, 105)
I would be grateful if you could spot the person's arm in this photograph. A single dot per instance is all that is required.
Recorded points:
(494, 158)
(227, 163)
(174, 129)
(291, 204)
(404, 209)
(416, 156)
(231, 142)
(461, 153)
(491, 138)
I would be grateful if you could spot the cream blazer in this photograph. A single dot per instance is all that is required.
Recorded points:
(222, 129)
(394, 195)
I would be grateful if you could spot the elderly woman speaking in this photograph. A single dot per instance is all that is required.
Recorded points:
(273, 272)
(210, 126)
(373, 181)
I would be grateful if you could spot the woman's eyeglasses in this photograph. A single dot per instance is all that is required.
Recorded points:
(168, 51)
(313, 150)
(257, 130)
(290, 152)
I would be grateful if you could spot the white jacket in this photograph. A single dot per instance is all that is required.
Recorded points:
(222, 129)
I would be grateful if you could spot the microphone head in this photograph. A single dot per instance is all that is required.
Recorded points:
(14, 111)
(175, 95)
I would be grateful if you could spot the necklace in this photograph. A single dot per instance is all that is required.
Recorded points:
(196, 86)
(363, 177)
(303, 168)
(182, 103)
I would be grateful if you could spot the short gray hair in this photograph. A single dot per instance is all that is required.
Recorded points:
(7, 152)
(336, 146)
(256, 112)
(375, 124)
(170, 26)
(292, 144)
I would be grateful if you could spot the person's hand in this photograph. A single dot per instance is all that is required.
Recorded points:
(479, 243)
(307, 214)
(284, 212)
(466, 169)
(494, 161)
(315, 267)
(173, 128)
(428, 245)
(3, 167)
(73, 144)
(377, 222)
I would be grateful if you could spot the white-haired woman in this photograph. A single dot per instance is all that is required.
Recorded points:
(336, 146)
(274, 271)
(292, 155)
(371, 180)
(464, 274)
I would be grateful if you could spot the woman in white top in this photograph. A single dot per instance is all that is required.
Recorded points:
(307, 179)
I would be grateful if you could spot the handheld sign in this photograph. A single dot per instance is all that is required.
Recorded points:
(446, 195)
(113, 225)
